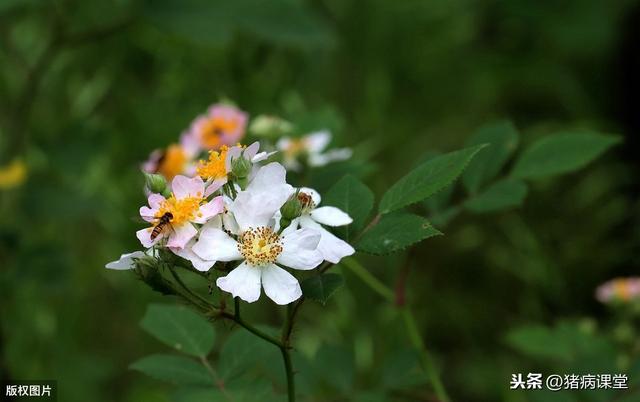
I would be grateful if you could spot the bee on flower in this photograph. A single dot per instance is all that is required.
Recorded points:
(173, 218)
(622, 290)
(222, 124)
(309, 150)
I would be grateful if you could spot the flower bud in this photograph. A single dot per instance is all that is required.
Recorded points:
(270, 126)
(241, 167)
(156, 183)
(292, 208)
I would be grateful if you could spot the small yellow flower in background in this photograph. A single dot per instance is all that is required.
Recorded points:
(13, 174)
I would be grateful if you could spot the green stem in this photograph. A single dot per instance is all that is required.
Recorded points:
(365, 276)
(288, 367)
(184, 286)
(410, 323)
(425, 356)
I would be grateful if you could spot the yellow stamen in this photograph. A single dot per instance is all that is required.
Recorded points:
(183, 210)
(296, 146)
(260, 246)
(214, 168)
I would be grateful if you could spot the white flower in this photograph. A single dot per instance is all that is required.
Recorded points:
(310, 146)
(332, 248)
(126, 261)
(258, 246)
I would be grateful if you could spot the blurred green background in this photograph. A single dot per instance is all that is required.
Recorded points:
(89, 88)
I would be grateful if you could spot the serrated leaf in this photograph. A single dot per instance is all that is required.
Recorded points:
(427, 179)
(561, 153)
(502, 194)
(396, 232)
(353, 197)
(179, 328)
(175, 369)
(502, 138)
(321, 287)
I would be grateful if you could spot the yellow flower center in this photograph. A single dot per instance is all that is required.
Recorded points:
(622, 290)
(172, 162)
(214, 167)
(183, 210)
(260, 246)
(214, 128)
(296, 146)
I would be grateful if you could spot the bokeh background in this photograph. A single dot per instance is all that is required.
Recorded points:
(89, 88)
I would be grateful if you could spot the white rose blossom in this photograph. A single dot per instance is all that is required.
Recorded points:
(333, 249)
(258, 246)
(312, 147)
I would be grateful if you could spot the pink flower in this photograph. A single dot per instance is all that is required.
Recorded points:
(221, 125)
(619, 290)
(173, 218)
(174, 160)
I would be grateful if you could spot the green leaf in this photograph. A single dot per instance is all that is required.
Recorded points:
(561, 153)
(321, 287)
(175, 369)
(353, 197)
(500, 195)
(502, 138)
(179, 328)
(396, 232)
(427, 179)
(214, 22)
(241, 352)
(539, 341)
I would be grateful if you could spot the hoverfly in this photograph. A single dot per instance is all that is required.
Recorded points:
(163, 222)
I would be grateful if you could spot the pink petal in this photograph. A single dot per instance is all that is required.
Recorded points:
(183, 187)
(210, 209)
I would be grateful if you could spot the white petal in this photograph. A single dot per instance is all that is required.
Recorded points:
(261, 156)
(251, 150)
(125, 261)
(299, 249)
(333, 249)
(187, 253)
(283, 143)
(317, 141)
(331, 216)
(180, 235)
(242, 282)
(144, 235)
(333, 155)
(216, 245)
(279, 285)
(263, 197)
(315, 196)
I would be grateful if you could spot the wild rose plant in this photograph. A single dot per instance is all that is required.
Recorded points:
(227, 213)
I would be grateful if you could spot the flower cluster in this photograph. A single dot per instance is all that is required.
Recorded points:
(234, 210)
